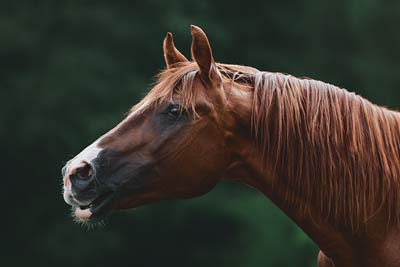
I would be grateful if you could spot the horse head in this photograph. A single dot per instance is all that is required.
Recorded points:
(172, 144)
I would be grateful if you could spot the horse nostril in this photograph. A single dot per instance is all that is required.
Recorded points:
(84, 171)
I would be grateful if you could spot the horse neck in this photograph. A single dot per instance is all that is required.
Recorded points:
(374, 139)
(335, 149)
(249, 166)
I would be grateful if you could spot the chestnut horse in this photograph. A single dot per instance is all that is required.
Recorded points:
(328, 158)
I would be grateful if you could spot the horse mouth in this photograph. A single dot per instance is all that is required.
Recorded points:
(98, 208)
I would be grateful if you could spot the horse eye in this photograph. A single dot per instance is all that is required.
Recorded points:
(174, 111)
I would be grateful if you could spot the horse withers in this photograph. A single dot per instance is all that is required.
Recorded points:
(328, 158)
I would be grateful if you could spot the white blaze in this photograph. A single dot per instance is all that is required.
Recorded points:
(86, 156)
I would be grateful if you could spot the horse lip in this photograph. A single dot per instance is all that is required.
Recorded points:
(103, 203)
(98, 208)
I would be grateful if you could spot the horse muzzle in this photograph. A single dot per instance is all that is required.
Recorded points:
(82, 190)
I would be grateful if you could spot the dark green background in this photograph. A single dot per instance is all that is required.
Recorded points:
(69, 71)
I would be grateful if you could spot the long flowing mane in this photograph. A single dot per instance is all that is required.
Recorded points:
(337, 151)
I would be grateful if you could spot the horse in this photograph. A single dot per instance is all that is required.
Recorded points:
(326, 157)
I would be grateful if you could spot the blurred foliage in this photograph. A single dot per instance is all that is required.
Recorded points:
(69, 70)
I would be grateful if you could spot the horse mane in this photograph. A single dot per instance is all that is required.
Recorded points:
(335, 150)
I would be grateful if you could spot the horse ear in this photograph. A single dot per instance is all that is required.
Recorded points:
(202, 54)
(171, 54)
